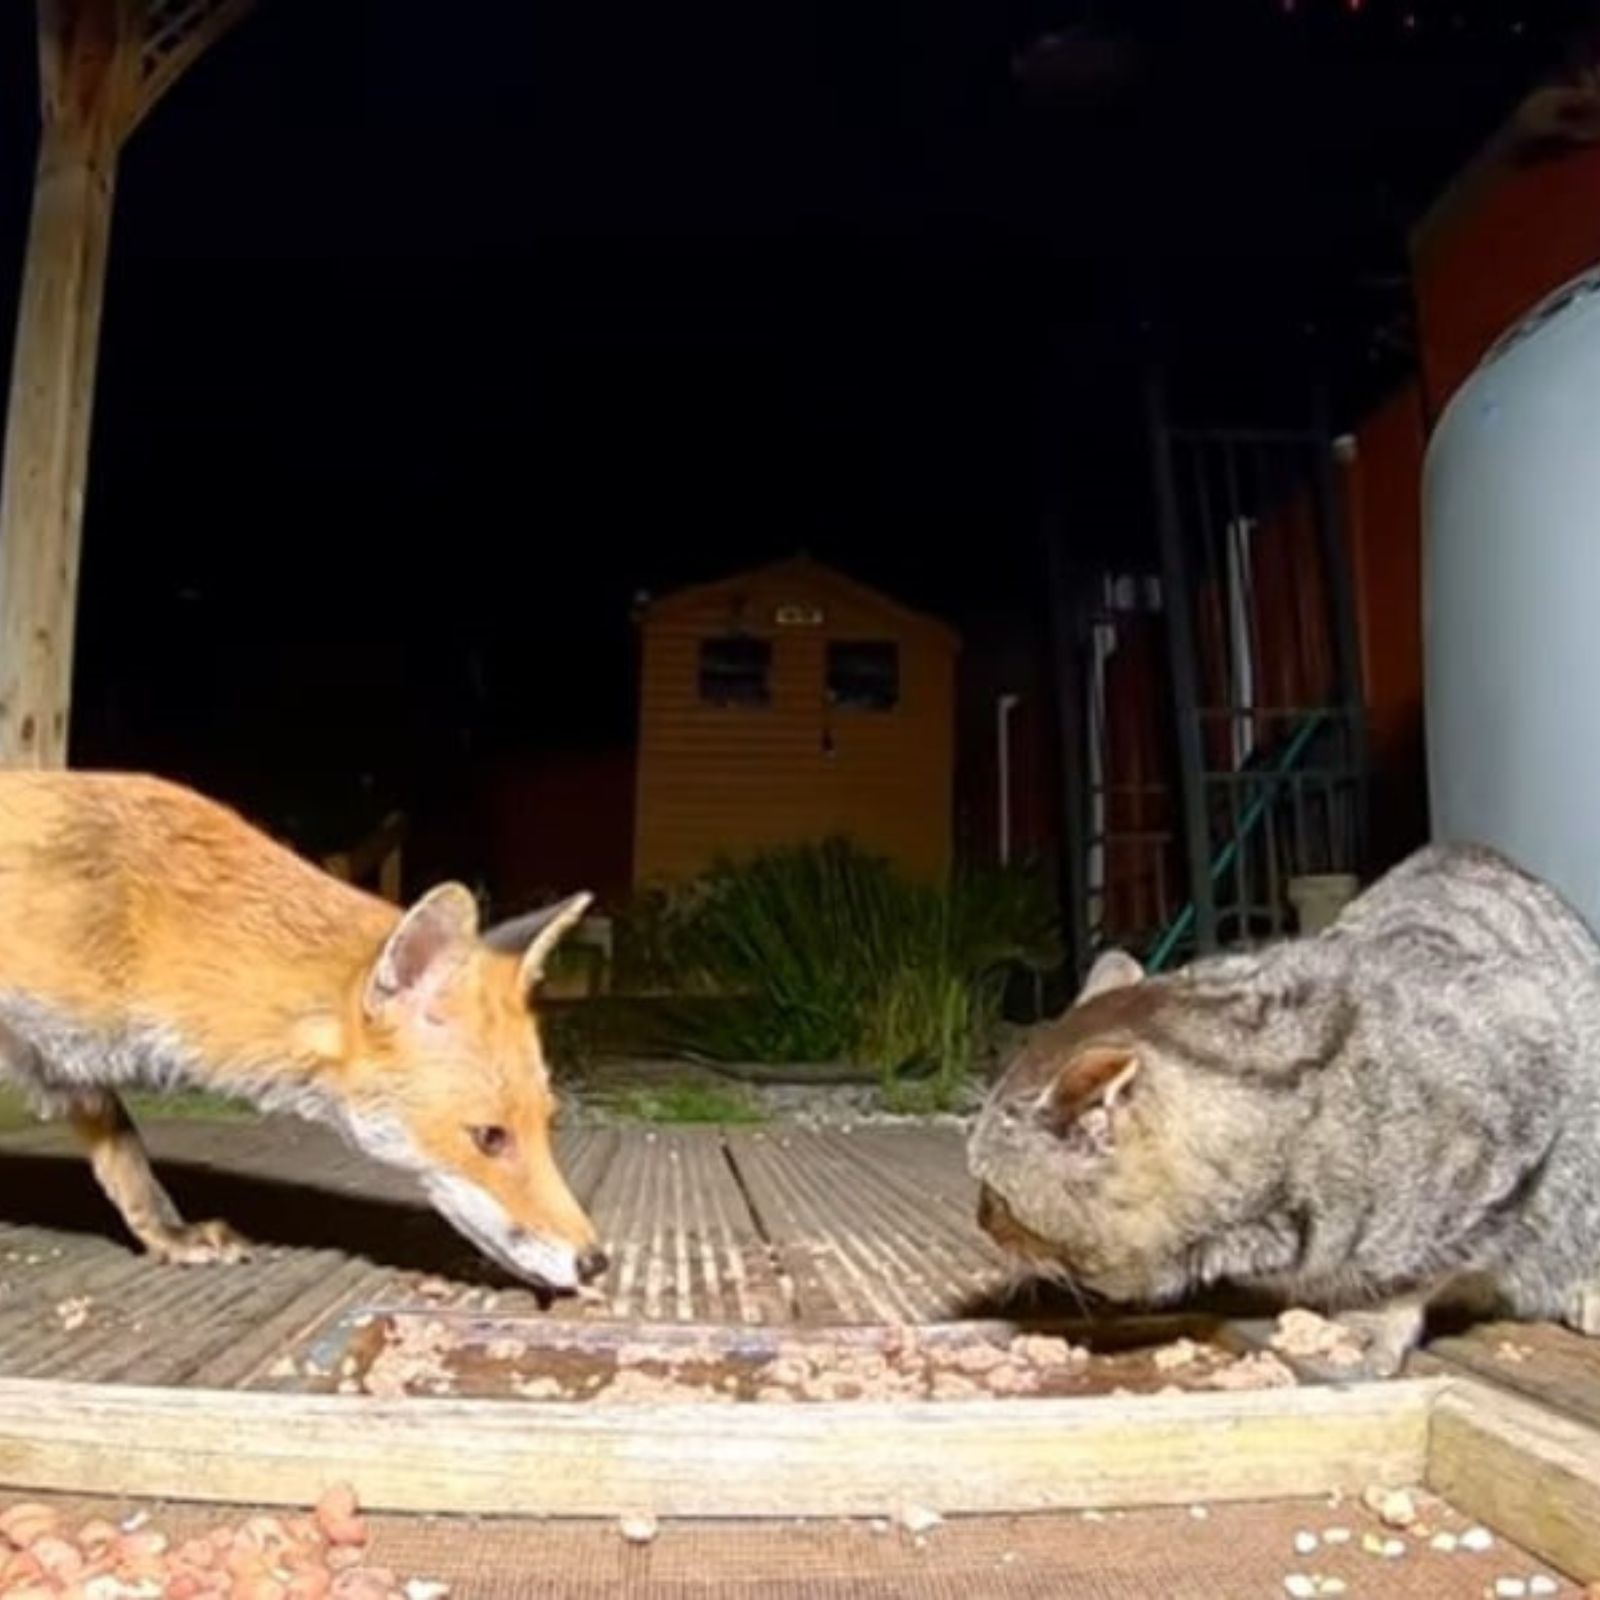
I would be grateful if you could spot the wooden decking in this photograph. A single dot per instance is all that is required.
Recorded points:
(759, 1227)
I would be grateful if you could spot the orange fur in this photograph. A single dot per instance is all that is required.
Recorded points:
(128, 902)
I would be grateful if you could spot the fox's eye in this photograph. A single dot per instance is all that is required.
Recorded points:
(491, 1141)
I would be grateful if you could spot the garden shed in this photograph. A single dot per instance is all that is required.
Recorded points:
(787, 704)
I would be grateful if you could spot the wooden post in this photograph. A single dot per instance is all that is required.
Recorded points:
(102, 65)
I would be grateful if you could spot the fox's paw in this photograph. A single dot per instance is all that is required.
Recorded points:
(198, 1244)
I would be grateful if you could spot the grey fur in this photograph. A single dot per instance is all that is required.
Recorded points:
(1403, 1106)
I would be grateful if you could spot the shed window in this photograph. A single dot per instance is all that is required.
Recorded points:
(736, 671)
(864, 675)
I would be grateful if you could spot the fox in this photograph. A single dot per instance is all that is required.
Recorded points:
(152, 938)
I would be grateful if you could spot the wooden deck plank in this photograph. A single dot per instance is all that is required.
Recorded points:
(935, 1248)
(1549, 1364)
(683, 1243)
(849, 1256)
(754, 1227)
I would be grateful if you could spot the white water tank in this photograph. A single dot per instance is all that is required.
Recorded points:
(1511, 599)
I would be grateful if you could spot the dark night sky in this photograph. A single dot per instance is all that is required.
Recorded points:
(435, 332)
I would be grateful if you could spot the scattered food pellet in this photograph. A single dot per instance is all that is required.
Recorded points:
(1300, 1586)
(1180, 1353)
(74, 1313)
(1331, 1586)
(917, 1519)
(1261, 1371)
(338, 1518)
(263, 1558)
(1510, 1588)
(1199, 1513)
(1477, 1540)
(1541, 1583)
(639, 1528)
(1305, 1543)
(1393, 1507)
(1336, 1535)
(1443, 1542)
(1303, 1333)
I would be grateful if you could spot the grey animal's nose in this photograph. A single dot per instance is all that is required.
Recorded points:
(592, 1264)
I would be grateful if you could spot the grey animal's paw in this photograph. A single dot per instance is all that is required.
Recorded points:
(1386, 1337)
(1583, 1309)
(198, 1244)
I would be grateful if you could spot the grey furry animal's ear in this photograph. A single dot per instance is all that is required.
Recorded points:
(535, 935)
(1113, 969)
(1079, 1104)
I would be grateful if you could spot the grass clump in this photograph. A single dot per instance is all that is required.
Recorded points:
(825, 953)
(688, 1101)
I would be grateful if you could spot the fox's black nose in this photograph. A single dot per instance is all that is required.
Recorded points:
(592, 1264)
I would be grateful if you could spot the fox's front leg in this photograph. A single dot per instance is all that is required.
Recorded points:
(117, 1154)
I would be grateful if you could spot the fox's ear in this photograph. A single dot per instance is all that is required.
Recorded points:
(427, 943)
(535, 935)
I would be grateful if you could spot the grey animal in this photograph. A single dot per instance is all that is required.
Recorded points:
(1402, 1110)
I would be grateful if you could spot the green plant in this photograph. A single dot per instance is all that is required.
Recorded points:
(686, 1100)
(825, 953)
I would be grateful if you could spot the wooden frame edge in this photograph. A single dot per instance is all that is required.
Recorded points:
(709, 1460)
(1527, 1473)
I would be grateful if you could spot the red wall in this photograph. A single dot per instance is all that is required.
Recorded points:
(557, 824)
(1523, 233)
(1383, 495)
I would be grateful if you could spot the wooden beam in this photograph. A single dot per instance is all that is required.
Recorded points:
(175, 34)
(847, 1459)
(1530, 1475)
(94, 84)
(87, 55)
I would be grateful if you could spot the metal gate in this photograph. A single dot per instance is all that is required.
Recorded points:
(1264, 668)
